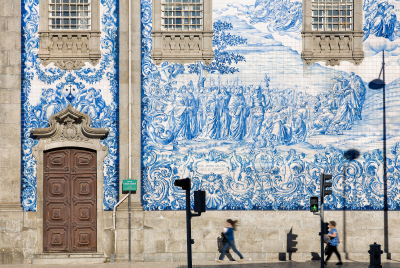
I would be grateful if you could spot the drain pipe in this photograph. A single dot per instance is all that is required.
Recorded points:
(130, 89)
(115, 227)
(129, 121)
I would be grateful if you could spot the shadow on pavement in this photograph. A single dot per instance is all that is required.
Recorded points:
(290, 264)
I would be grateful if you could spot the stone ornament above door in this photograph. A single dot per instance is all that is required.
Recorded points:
(70, 125)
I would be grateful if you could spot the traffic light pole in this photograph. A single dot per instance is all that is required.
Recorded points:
(199, 206)
(189, 216)
(188, 229)
(322, 234)
(322, 219)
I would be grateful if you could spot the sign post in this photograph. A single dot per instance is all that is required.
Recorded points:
(129, 185)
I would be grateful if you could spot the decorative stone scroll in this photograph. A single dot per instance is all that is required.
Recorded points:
(69, 50)
(332, 48)
(70, 125)
(182, 47)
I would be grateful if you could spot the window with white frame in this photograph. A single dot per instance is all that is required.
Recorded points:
(69, 33)
(332, 15)
(332, 31)
(182, 31)
(70, 14)
(178, 15)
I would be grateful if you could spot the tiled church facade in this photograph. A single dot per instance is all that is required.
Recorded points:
(255, 128)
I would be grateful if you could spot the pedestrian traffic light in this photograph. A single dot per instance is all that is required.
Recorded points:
(314, 204)
(199, 201)
(326, 182)
(326, 228)
(183, 183)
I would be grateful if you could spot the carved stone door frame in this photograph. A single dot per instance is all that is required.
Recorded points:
(69, 128)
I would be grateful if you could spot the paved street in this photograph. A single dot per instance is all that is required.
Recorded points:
(287, 264)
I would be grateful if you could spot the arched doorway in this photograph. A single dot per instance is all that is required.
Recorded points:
(69, 194)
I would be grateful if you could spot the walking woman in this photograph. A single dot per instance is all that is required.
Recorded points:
(333, 244)
(228, 230)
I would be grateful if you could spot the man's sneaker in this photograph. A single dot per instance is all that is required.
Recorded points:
(339, 263)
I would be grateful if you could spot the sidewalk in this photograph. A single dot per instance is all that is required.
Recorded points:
(205, 264)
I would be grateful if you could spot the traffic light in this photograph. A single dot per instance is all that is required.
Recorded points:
(326, 228)
(199, 201)
(326, 182)
(314, 204)
(183, 183)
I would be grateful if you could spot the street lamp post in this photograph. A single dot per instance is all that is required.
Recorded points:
(378, 84)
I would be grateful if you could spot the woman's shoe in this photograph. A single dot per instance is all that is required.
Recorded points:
(241, 260)
(220, 261)
(339, 263)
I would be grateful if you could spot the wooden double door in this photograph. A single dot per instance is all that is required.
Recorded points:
(69, 201)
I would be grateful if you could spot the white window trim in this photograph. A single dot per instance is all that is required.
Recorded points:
(76, 17)
(69, 49)
(182, 46)
(332, 46)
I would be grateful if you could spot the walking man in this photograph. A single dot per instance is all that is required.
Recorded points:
(333, 243)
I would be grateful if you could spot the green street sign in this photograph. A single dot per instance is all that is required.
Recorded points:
(314, 208)
(129, 185)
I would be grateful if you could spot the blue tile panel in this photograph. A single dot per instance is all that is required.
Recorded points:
(256, 128)
(48, 90)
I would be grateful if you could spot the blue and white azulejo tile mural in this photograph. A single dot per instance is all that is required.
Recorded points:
(48, 90)
(257, 127)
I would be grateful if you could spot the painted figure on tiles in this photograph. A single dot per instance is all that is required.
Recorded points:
(233, 112)
(256, 113)
(237, 111)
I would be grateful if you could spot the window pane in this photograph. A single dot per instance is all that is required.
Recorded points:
(74, 14)
(183, 14)
(327, 11)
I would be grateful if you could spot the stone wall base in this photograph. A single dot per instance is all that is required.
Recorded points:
(260, 236)
(11, 256)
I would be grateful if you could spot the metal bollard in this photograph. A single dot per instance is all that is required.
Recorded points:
(375, 256)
